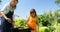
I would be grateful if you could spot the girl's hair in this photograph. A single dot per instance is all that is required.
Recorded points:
(16, 0)
(33, 11)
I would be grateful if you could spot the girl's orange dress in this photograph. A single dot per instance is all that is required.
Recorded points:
(32, 23)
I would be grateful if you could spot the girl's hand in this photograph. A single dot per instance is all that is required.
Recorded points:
(26, 22)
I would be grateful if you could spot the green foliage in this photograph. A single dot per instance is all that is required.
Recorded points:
(56, 13)
(57, 28)
(50, 20)
(44, 29)
(44, 19)
(57, 1)
(19, 22)
(0, 0)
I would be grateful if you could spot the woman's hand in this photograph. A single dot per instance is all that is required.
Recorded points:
(13, 23)
(9, 20)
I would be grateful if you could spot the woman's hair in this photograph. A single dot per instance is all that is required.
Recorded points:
(15, 0)
(33, 11)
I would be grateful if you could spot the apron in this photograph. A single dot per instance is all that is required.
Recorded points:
(5, 24)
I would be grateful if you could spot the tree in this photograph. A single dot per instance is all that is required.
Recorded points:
(43, 20)
(57, 2)
(57, 15)
(0, 0)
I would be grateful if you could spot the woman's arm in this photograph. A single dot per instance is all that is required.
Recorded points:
(4, 11)
(3, 14)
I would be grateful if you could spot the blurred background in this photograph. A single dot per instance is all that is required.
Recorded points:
(48, 12)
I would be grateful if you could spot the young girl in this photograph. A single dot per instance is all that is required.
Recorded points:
(7, 15)
(32, 20)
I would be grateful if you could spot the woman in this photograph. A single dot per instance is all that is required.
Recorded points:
(7, 15)
(32, 20)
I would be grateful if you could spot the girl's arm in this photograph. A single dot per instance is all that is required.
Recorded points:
(37, 24)
(27, 20)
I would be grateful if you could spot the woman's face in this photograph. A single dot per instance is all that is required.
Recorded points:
(13, 3)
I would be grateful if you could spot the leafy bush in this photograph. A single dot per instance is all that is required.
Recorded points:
(19, 22)
(44, 29)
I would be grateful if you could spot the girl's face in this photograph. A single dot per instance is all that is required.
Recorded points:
(32, 14)
(13, 3)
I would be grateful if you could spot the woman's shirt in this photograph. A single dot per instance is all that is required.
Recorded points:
(7, 7)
